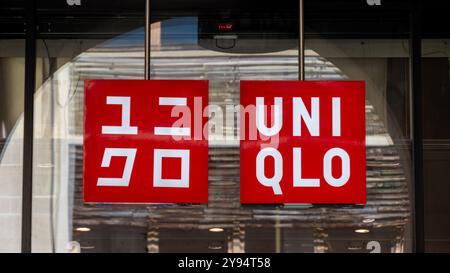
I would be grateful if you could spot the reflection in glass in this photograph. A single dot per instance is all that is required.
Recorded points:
(12, 73)
(61, 217)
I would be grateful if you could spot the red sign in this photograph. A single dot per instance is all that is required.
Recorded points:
(144, 141)
(303, 142)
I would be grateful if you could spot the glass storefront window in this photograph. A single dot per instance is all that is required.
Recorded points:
(57, 86)
(12, 72)
(436, 93)
(385, 223)
(190, 45)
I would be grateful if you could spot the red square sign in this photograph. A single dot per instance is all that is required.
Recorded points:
(303, 142)
(141, 140)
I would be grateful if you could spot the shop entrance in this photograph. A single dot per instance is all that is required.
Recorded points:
(223, 43)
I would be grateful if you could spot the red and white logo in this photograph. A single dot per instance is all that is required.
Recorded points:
(303, 142)
(142, 144)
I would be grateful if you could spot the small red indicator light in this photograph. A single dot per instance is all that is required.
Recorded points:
(225, 26)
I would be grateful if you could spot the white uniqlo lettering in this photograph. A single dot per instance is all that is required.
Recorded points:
(172, 131)
(160, 182)
(273, 182)
(297, 169)
(336, 105)
(312, 121)
(124, 181)
(327, 169)
(124, 128)
(277, 117)
(301, 113)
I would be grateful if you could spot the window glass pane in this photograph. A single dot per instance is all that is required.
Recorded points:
(189, 44)
(384, 66)
(12, 74)
(436, 132)
(57, 91)
(74, 46)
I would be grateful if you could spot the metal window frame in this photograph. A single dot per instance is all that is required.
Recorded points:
(415, 41)
(30, 82)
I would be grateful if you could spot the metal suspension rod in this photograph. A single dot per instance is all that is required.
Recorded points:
(301, 41)
(28, 131)
(147, 35)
